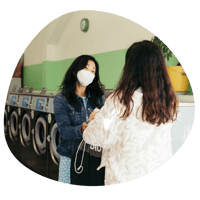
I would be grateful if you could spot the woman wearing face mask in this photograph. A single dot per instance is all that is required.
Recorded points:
(133, 127)
(80, 95)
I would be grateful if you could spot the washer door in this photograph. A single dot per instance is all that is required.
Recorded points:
(13, 125)
(26, 130)
(40, 136)
(5, 121)
(55, 139)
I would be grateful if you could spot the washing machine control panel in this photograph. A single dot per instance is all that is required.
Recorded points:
(24, 101)
(40, 104)
(13, 100)
(44, 104)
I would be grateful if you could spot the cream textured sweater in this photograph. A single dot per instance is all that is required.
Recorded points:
(131, 147)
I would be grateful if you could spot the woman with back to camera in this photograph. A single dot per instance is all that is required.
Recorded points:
(80, 94)
(133, 127)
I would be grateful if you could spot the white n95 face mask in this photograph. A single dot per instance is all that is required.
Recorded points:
(85, 77)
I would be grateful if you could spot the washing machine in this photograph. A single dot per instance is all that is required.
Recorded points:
(43, 119)
(30, 126)
(11, 114)
(54, 139)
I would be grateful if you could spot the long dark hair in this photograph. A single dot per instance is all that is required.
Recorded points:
(68, 85)
(145, 67)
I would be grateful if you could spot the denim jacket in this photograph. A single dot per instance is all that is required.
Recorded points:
(69, 120)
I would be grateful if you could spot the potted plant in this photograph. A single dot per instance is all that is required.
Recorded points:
(165, 50)
(177, 75)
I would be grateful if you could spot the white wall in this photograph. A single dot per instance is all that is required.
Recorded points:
(36, 51)
(181, 127)
(63, 39)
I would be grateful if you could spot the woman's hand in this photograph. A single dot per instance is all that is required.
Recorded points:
(84, 126)
(92, 116)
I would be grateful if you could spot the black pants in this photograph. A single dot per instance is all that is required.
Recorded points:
(89, 176)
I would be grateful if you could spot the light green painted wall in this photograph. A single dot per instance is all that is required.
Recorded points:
(173, 61)
(111, 65)
(50, 74)
(55, 73)
(35, 76)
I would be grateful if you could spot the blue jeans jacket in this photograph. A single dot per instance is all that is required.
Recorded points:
(69, 121)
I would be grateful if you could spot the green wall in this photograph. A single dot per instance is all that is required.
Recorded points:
(173, 61)
(50, 74)
(34, 76)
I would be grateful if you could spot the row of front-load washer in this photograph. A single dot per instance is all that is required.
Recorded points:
(31, 130)
(29, 120)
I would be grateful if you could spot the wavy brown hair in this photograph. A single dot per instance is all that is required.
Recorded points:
(145, 67)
